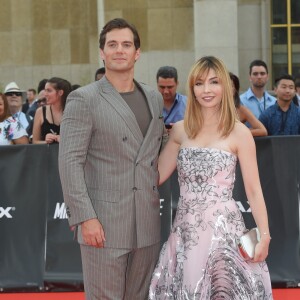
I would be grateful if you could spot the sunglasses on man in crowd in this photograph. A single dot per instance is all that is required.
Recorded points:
(18, 94)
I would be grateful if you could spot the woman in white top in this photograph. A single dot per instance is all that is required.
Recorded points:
(11, 130)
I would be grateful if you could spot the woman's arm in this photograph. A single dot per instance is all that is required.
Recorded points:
(21, 140)
(257, 127)
(246, 152)
(37, 127)
(168, 158)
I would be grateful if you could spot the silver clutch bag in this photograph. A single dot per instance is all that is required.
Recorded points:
(247, 242)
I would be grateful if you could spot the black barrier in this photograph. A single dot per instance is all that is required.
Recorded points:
(23, 188)
(279, 170)
(37, 248)
(63, 264)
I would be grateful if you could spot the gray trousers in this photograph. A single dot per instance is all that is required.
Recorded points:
(118, 274)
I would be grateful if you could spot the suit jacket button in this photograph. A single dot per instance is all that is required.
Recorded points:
(68, 212)
(124, 138)
(154, 188)
(134, 189)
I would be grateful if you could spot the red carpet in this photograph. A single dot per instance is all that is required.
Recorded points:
(279, 294)
(42, 296)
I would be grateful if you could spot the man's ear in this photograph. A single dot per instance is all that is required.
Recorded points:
(102, 55)
(137, 54)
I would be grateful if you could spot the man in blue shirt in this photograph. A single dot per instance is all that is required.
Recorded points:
(283, 118)
(256, 98)
(297, 84)
(174, 103)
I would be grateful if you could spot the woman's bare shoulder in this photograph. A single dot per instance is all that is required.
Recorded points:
(241, 136)
(240, 129)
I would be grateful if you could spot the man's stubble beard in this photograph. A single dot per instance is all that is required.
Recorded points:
(259, 85)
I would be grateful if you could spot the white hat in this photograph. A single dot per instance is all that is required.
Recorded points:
(12, 87)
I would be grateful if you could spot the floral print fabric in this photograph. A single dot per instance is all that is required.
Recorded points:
(200, 260)
(10, 129)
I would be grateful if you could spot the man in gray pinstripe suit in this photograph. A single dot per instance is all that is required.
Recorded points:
(111, 133)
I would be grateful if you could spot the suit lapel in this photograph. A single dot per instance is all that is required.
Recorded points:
(152, 103)
(111, 95)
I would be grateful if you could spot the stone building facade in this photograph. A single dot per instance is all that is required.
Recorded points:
(45, 38)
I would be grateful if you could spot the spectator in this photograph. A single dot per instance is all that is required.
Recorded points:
(297, 84)
(41, 85)
(245, 115)
(174, 103)
(99, 73)
(31, 97)
(295, 100)
(11, 130)
(41, 99)
(75, 86)
(31, 111)
(47, 120)
(283, 118)
(14, 99)
(256, 98)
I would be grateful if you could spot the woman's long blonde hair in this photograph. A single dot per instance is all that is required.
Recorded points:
(193, 119)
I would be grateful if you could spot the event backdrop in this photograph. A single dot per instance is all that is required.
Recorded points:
(37, 248)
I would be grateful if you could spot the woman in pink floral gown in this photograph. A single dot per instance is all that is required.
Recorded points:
(200, 260)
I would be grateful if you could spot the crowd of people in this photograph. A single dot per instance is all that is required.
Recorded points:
(39, 117)
(111, 162)
(263, 113)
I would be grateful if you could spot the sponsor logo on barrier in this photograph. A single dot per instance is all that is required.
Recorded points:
(6, 212)
(242, 207)
(60, 211)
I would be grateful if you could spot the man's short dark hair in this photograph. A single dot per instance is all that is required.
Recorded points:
(99, 71)
(118, 23)
(284, 76)
(75, 87)
(32, 90)
(41, 85)
(167, 72)
(258, 63)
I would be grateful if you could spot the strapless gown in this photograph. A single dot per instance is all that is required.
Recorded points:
(200, 260)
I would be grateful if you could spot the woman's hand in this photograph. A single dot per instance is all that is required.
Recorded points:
(51, 138)
(262, 249)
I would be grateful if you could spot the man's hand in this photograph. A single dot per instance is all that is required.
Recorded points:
(92, 233)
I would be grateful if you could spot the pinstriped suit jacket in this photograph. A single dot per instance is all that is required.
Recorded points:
(108, 170)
